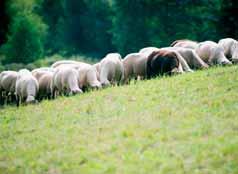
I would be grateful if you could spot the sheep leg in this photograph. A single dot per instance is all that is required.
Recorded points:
(48, 96)
(53, 93)
(1, 98)
(17, 100)
(184, 64)
(13, 98)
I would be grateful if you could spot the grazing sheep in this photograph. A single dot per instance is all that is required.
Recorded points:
(44, 77)
(98, 68)
(111, 69)
(26, 87)
(211, 53)
(37, 73)
(163, 62)
(71, 63)
(88, 74)
(185, 43)
(134, 66)
(147, 51)
(190, 56)
(88, 77)
(45, 85)
(65, 80)
(230, 47)
(7, 86)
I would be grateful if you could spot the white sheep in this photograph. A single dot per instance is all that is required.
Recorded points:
(7, 86)
(111, 69)
(230, 47)
(27, 87)
(211, 53)
(65, 80)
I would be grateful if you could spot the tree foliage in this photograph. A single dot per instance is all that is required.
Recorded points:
(158, 22)
(4, 21)
(27, 31)
(36, 28)
(228, 19)
(25, 43)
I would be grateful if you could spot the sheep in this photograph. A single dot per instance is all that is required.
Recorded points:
(26, 88)
(38, 72)
(98, 68)
(163, 62)
(88, 74)
(88, 77)
(45, 85)
(71, 63)
(230, 47)
(148, 50)
(134, 66)
(211, 53)
(65, 80)
(111, 69)
(44, 77)
(185, 43)
(7, 86)
(190, 56)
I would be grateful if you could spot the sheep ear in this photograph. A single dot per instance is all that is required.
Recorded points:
(149, 60)
(153, 54)
(174, 43)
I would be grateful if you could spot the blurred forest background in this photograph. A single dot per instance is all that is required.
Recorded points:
(32, 31)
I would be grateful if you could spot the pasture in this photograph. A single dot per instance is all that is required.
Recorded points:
(181, 124)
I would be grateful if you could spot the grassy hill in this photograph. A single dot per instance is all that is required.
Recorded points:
(182, 124)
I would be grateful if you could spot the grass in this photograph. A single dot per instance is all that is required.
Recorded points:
(182, 124)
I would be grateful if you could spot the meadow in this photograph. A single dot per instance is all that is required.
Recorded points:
(181, 124)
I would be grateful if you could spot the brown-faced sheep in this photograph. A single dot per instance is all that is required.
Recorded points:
(147, 51)
(163, 62)
(190, 56)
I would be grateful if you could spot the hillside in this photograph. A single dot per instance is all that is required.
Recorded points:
(181, 124)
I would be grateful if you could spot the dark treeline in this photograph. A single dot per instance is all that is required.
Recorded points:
(4, 22)
(32, 29)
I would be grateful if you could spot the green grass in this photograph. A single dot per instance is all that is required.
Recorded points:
(182, 124)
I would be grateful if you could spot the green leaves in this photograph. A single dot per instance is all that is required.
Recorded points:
(26, 39)
(40, 28)
(27, 32)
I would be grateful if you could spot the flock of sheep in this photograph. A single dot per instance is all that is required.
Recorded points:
(68, 77)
